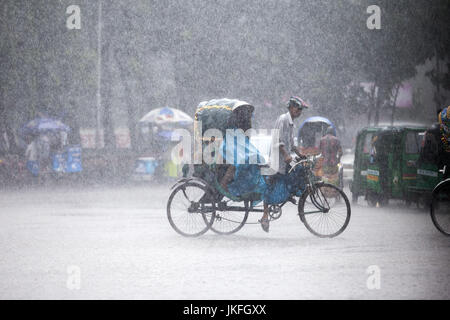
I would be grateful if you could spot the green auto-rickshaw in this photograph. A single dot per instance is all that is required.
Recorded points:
(387, 158)
(358, 184)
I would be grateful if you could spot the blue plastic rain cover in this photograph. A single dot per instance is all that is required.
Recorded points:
(237, 150)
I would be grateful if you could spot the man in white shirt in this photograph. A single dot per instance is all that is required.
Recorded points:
(285, 144)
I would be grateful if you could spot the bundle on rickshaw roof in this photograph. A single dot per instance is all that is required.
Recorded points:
(217, 113)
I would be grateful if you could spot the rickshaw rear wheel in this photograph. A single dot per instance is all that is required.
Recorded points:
(334, 216)
(227, 222)
(190, 209)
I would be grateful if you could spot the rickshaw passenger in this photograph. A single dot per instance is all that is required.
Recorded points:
(331, 150)
(241, 118)
(286, 146)
(246, 174)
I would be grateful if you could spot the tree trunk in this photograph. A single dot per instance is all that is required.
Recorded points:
(397, 89)
(377, 107)
(131, 111)
(437, 95)
(108, 126)
(372, 98)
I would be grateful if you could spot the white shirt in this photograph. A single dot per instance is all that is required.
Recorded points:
(285, 127)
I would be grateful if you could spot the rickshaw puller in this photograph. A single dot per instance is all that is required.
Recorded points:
(285, 144)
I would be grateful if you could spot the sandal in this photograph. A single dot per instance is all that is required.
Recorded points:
(264, 224)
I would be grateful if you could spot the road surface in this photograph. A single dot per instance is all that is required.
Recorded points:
(116, 243)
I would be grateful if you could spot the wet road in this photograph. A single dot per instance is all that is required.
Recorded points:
(116, 242)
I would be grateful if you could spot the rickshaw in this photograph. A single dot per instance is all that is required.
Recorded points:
(387, 157)
(430, 170)
(199, 203)
(310, 131)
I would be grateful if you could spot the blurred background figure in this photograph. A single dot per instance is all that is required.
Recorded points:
(331, 150)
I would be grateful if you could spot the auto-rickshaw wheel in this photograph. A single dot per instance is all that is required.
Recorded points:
(354, 198)
(372, 199)
(408, 203)
(383, 201)
(423, 203)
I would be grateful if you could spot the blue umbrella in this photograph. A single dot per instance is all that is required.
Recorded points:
(319, 120)
(167, 116)
(41, 125)
(167, 119)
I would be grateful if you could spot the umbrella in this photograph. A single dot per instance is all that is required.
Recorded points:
(167, 116)
(320, 121)
(40, 125)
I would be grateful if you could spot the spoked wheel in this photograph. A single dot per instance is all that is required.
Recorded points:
(327, 214)
(230, 217)
(440, 207)
(190, 210)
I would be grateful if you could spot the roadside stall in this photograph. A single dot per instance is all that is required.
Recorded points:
(156, 141)
(48, 144)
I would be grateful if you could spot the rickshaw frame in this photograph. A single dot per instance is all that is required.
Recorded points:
(214, 195)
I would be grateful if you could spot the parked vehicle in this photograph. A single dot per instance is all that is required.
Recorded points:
(347, 160)
(385, 164)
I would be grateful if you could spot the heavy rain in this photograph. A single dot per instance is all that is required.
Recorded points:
(95, 175)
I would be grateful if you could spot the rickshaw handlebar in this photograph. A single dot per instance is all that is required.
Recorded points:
(307, 161)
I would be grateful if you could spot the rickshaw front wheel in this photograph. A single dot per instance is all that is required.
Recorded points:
(328, 213)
